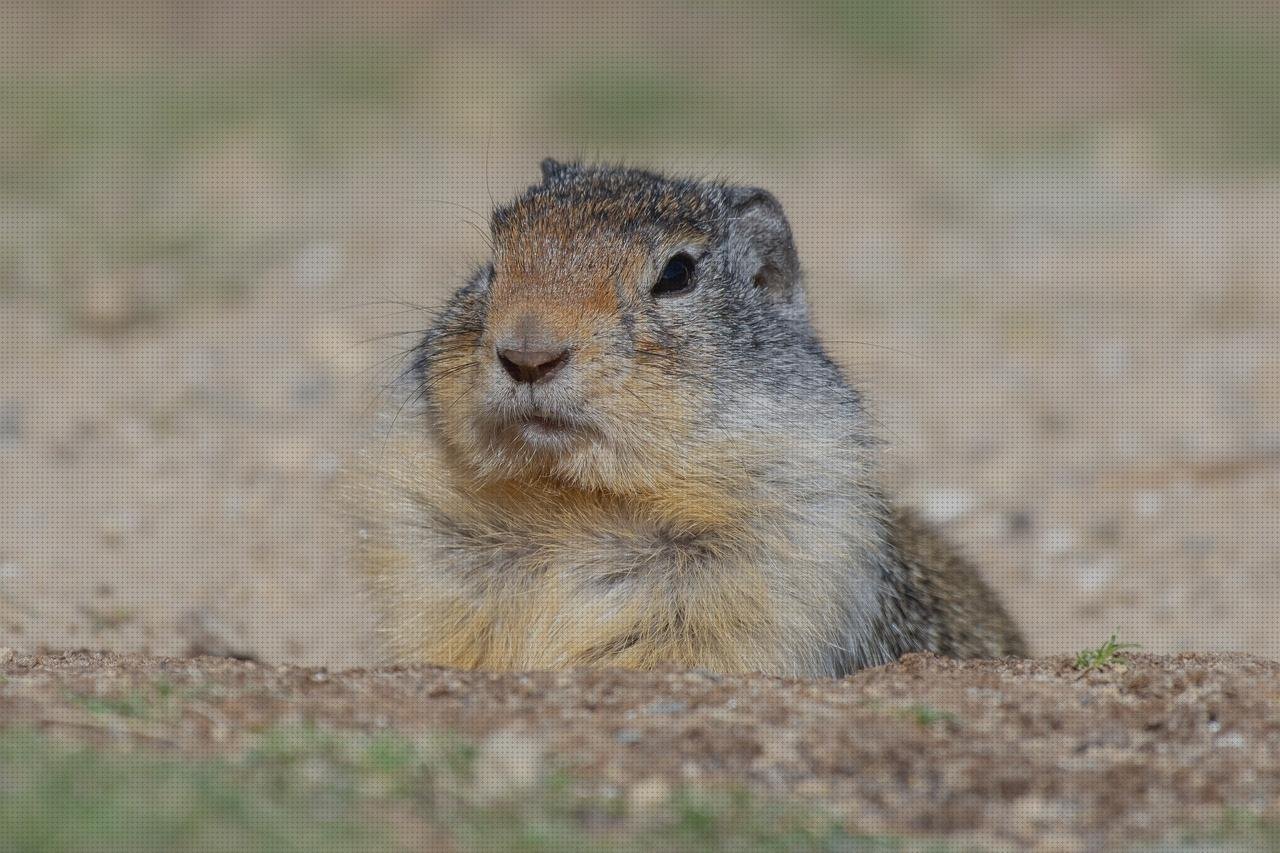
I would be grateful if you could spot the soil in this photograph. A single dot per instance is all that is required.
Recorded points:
(999, 753)
(1104, 445)
(1073, 364)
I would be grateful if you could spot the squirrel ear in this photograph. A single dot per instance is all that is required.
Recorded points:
(553, 169)
(758, 216)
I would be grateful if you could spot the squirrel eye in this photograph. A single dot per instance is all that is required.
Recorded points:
(676, 277)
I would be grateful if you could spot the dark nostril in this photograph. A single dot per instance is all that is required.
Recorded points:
(532, 365)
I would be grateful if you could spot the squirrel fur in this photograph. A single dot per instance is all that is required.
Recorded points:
(594, 471)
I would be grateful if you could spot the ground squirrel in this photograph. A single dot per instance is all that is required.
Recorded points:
(624, 445)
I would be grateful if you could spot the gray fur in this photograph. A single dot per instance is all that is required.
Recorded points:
(808, 570)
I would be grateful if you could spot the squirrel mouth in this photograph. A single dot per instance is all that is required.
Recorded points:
(546, 432)
(546, 422)
(540, 430)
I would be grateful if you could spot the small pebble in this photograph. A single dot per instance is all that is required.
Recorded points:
(1148, 503)
(1019, 523)
(648, 796)
(508, 762)
(1232, 740)
(1112, 359)
(6, 655)
(943, 505)
(1199, 545)
(1095, 576)
(234, 505)
(10, 424)
(668, 706)
(326, 465)
(311, 390)
(115, 530)
(1058, 540)
(318, 264)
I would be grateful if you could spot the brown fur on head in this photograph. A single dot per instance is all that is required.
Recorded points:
(561, 362)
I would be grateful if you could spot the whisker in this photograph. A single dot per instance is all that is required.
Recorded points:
(464, 391)
(406, 307)
(446, 201)
(484, 235)
(870, 345)
(388, 336)
(488, 142)
(424, 388)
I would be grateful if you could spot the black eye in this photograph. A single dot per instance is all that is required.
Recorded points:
(676, 278)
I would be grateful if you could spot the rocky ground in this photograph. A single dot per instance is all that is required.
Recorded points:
(1178, 750)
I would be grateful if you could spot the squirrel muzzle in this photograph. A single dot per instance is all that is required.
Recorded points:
(531, 352)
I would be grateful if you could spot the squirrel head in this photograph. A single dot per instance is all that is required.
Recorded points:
(620, 317)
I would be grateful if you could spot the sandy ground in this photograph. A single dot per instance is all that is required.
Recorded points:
(1094, 421)
(992, 754)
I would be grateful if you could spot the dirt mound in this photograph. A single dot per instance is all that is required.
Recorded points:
(1012, 752)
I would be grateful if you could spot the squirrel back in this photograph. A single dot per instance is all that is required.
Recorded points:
(626, 446)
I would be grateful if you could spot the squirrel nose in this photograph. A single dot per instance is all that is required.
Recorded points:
(532, 365)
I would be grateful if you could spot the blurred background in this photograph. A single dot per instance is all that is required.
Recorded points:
(1042, 236)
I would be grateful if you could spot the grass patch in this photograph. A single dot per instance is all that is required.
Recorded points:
(928, 716)
(916, 712)
(628, 100)
(160, 701)
(656, 101)
(1106, 655)
(58, 797)
(134, 706)
(306, 788)
(1222, 109)
(66, 125)
(893, 29)
(1237, 830)
(1232, 76)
